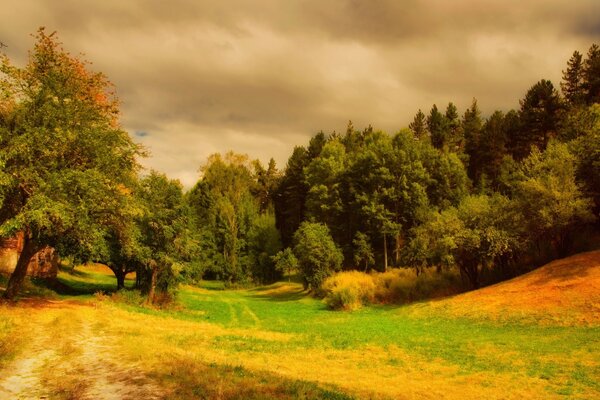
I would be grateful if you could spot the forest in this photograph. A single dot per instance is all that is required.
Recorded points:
(486, 196)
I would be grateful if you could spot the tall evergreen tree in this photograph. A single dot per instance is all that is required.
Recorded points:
(454, 139)
(492, 146)
(540, 118)
(419, 125)
(290, 196)
(591, 75)
(471, 128)
(436, 125)
(573, 79)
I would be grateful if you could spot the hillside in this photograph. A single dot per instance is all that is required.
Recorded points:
(563, 292)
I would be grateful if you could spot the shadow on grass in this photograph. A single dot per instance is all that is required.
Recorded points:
(280, 292)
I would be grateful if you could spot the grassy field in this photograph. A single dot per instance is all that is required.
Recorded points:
(535, 337)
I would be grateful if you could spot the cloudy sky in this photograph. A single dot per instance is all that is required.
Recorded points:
(261, 76)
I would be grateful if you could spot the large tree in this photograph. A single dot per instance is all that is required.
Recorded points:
(572, 84)
(66, 160)
(540, 116)
(550, 197)
(317, 254)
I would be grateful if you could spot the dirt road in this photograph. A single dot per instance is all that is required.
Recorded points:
(67, 355)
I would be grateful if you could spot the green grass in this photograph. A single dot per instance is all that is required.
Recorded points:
(565, 359)
(546, 352)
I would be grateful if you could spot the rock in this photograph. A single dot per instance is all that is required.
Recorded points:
(44, 264)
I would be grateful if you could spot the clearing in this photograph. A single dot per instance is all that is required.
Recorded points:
(536, 336)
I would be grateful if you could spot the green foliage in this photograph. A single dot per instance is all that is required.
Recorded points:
(591, 75)
(286, 262)
(418, 126)
(264, 243)
(585, 132)
(572, 84)
(67, 164)
(550, 198)
(164, 227)
(540, 118)
(363, 252)
(317, 254)
(479, 231)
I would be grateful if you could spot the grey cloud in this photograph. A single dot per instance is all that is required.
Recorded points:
(262, 76)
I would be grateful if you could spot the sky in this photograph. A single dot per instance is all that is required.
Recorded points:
(262, 76)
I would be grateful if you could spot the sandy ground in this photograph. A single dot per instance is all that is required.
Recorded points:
(68, 356)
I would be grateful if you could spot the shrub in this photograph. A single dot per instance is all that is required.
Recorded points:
(349, 290)
(353, 289)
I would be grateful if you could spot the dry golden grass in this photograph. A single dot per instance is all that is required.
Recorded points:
(351, 290)
(563, 292)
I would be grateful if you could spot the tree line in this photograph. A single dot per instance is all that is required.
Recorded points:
(451, 191)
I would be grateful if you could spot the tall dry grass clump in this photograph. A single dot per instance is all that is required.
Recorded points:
(349, 290)
(353, 289)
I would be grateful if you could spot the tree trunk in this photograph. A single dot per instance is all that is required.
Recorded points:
(472, 272)
(18, 276)
(120, 274)
(151, 292)
(385, 258)
(398, 249)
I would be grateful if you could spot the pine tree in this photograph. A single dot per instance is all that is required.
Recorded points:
(591, 75)
(418, 126)
(492, 147)
(436, 125)
(454, 139)
(572, 84)
(540, 118)
(471, 129)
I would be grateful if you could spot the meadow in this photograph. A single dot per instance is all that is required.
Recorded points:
(278, 342)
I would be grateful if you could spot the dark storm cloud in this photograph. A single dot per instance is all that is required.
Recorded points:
(261, 76)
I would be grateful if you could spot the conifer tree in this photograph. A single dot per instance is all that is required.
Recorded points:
(471, 129)
(436, 125)
(572, 84)
(419, 125)
(591, 75)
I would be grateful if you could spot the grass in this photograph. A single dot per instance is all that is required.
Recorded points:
(277, 342)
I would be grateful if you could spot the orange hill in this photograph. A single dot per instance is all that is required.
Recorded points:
(563, 292)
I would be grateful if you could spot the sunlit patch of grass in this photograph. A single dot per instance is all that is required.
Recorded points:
(278, 342)
(11, 340)
(87, 280)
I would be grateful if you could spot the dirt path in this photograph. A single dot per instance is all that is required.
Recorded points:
(69, 357)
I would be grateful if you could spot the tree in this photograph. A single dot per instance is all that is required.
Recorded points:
(164, 228)
(227, 205)
(573, 80)
(492, 147)
(586, 147)
(264, 242)
(591, 75)
(266, 183)
(436, 125)
(471, 126)
(419, 126)
(286, 262)
(454, 139)
(540, 117)
(67, 163)
(550, 197)
(479, 231)
(363, 252)
(290, 195)
(317, 254)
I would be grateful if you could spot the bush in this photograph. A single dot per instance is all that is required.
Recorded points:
(351, 290)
